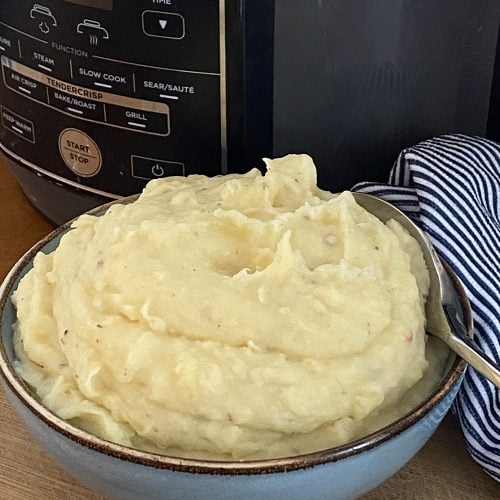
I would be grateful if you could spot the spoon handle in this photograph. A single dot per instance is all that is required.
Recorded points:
(467, 349)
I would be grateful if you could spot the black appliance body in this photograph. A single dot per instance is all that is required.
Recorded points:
(99, 96)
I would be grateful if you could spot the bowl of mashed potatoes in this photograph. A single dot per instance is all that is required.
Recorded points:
(242, 336)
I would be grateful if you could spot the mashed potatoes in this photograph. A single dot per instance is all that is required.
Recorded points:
(229, 317)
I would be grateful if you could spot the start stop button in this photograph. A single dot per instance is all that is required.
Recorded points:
(80, 153)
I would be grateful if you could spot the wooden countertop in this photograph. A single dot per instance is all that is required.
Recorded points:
(441, 470)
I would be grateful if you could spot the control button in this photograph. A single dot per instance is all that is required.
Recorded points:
(44, 18)
(93, 30)
(26, 86)
(158, 170)
(39, 57)
(97, 75)
(79, 152)
(167, 87)
(18, 125)
(152, 168)
(163, 24)
(77, 106)
(8, 45)
(138, 119)
(44, 62)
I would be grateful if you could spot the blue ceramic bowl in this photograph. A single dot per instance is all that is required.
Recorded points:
(337, 473)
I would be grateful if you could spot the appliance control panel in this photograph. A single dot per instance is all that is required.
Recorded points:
(108, 94)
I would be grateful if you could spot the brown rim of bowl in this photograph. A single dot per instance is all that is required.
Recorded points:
(24, 393)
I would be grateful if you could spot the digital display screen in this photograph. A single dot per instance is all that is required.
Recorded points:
(96, 4)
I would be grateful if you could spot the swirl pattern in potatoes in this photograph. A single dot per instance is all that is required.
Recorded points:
(237, 316)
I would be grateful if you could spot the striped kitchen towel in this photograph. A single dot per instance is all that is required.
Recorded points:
(450, 186)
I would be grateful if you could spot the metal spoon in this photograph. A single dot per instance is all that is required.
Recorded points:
(442, 307)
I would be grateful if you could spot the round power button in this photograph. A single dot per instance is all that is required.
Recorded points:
(157, 170)
(80, 153)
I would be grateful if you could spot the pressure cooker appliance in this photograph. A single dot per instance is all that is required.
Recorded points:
(99, 96)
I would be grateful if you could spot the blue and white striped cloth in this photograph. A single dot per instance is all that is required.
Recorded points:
(450, 186)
